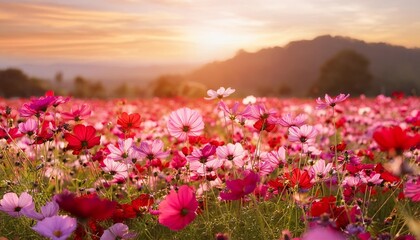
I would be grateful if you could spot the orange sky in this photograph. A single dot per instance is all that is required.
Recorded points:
(189, 31)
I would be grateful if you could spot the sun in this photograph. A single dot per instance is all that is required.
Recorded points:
(219, 42)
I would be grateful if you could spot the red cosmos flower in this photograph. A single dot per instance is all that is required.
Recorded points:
(83, 138)
(299, 178)
(263, 124)
(325, 205)
(88, 206)
(394, 140)
(137, 207)
(128, 122)
(10, 134)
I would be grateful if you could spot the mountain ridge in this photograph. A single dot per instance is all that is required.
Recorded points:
(297, 64)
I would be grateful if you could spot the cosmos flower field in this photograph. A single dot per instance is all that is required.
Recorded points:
(220, 167)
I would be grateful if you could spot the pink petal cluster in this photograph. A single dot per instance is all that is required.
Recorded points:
(185, 122)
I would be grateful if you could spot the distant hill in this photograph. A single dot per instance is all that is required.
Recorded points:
(295, 67)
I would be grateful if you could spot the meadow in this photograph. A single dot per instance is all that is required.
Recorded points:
(336, 167)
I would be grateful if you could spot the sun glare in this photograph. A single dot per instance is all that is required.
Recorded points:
(216, 43)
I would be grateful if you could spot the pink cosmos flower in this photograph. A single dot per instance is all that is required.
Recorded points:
(56, 227)
(29, 127)
(233, 113)
(320, 169)
(203, 160)
(231, 153)
(49, 210)
(152, 150)
(260, 112)
(412, 190)
(288, 121)
(330, 102)
(123, 151)
(178, 161)
(117, 231)
(77, 113)
(373, 179)
(239, 188)
(351, 181)
(116, 169)
(220, 93)
(323, 233)
(185, 122)
(303, 134)
(14, 205)
(178, 208)
(272, 160)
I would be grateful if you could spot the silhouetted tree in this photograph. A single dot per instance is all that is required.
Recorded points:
(81, 87)
(97, 90)
(15, 83)
(121, 90)
(346, 72)
(166, 86)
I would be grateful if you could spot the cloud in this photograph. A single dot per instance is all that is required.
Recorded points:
(178, 30)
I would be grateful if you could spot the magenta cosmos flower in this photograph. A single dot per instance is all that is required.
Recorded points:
(185, 122)
(412, 190)
(331, 101)
(56, 227)
(238, 188)
(220, 93)
(303, 134)
(178, 208)
(14, 205)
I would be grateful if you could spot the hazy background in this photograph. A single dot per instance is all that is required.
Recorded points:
(143, 48)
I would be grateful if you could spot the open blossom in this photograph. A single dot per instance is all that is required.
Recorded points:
(299, 179)
(88, 206)
(234, 113)
(152, 150)
(373, 179)
(231, 153)
(203, 159)
(412, 190)
(14, 205)
(185, 122)
(330, 102)
(77, 113)
(273, 160)
(239, 188)
(84, 137)
(303, 134)
(116, 169)
(56, 227)
(323, 233)
(36, 106)
(395, 140)
(320, 169)
(220, 93)
(117, 231)
(29, 127)
(49, 210)
(178, 209)
(123, 151)
(128, 122)
(288, 121)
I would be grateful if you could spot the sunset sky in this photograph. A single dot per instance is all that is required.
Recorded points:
(189, 31)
